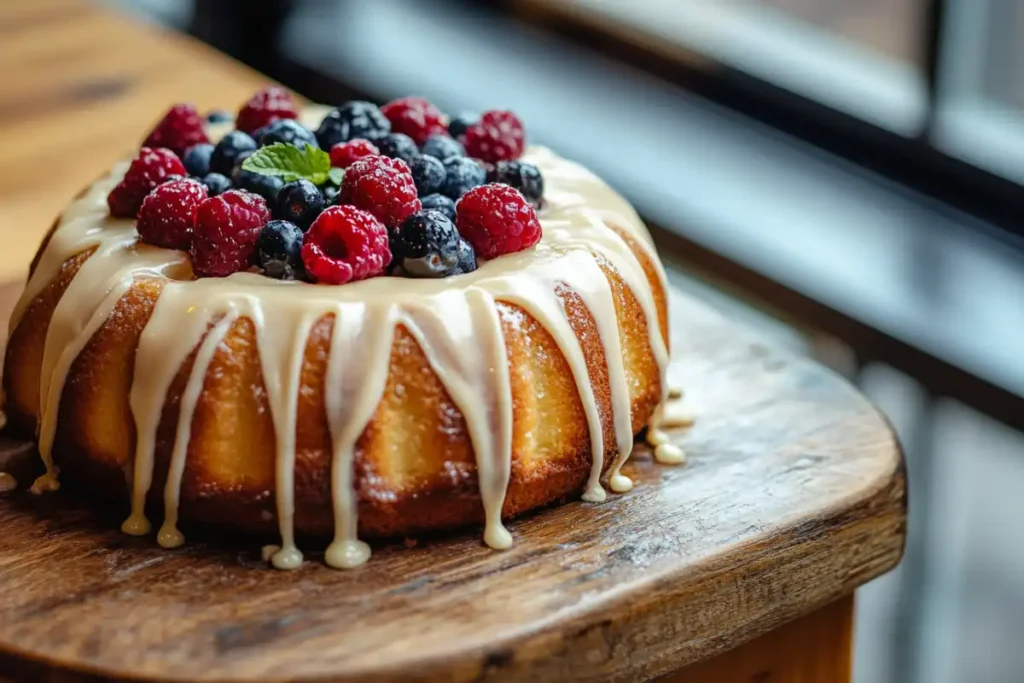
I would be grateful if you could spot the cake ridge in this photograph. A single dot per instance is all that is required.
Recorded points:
(455, 322)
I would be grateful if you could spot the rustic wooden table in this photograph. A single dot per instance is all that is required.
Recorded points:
(739, 566)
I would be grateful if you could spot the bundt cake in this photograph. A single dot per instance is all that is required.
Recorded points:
(283, 397)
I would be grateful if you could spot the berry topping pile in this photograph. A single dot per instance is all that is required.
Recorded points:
(356, 119)
(398, 146)
(402, 190)
(168, 213)
(179, 129)
(148, 170)
(497, 136)
(345, 243)
(225, 233)
(287, 131)
(381, 186)
(496, 219)
(344, 154)
(415, 117)
(426, 244)
(268, 105)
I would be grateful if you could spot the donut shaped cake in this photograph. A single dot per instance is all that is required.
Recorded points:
(384, 407)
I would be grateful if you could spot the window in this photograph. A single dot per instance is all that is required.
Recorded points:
(863, 58)
(981, 95)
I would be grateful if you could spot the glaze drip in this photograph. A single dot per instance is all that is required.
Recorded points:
(455, 321)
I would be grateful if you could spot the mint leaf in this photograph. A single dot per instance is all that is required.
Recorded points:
(336, 175)
(289, 163)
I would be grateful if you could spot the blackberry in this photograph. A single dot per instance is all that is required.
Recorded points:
(397, 146)
(442, 147)
(219, 116)
(438, 202)
(300, 202)
(458, 125)
(462, 175)
(267, 186)
(428, 173)
(288, 131)
(523, 176)
(279, 250)
(354, 119)
(426, 244)
(228, 150)
(216, 183)
(197, 159)
(467, 258)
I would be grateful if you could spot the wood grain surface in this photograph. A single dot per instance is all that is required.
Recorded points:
(81, 88)
(793, 496)
(816, 648)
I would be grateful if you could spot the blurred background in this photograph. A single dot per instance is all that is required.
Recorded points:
(844, 175)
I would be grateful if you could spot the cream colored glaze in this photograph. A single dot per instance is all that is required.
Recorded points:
(352, 392)
(169, 536)
(672, 413)
(454, 320)
(676, 414)
(669, 454)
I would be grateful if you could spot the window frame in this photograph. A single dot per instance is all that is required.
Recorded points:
(919, 161)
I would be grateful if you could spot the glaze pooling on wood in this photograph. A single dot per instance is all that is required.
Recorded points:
(455, 321)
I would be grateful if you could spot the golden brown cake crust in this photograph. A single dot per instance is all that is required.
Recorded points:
(142, 392)
(415, 467)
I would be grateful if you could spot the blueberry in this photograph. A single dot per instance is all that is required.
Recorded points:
(287, 131)
(426, 244)
(443, 147)
(216, 183)
(267, 186)
(460, 123)
(467, 258)
(278, 250)
(219, 116)
(463, 174)
(352, 120)
(197, 159)
(227, 151)
(300, 202)
(428, 173)
(523, 176)
(397, 146)
(330, 193)
(438, 202)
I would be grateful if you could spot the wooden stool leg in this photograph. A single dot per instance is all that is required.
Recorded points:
(816, 648)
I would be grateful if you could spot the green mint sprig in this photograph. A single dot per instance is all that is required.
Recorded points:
(289, 163)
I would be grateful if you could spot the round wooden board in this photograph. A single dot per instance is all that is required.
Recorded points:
(793, 495)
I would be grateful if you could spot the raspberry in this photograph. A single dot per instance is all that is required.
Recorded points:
(496, 219)
(267, 105)
(344, 244)
(227, 228)
(497, 136)
(150, 168)
(416, 117)
(381, 186)
(344, 154)
(179, 129)
(169, 212)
